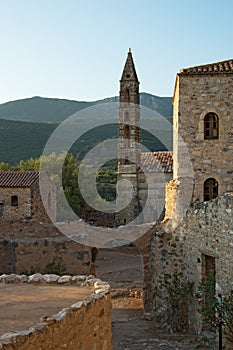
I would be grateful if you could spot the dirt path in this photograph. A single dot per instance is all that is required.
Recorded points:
(122, 268)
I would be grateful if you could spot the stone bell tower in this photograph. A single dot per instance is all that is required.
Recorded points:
(129, 152)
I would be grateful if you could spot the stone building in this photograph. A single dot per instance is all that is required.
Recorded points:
(129, 152)
(195, 237)
(202, 117)
(202, 137)
(146, 171)
(20, 196)
(28, 239)
(157, 172)
(144, 174)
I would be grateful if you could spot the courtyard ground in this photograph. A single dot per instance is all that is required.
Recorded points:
(122, 268)
(22, 306)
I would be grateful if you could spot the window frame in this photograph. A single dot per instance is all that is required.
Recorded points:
(211, 126)
(127, 95)
(210, 190)
(127, 133)
(14, 201)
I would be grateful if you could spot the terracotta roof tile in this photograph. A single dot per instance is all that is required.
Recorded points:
(212, 68)
(153, 162)
(18, 178)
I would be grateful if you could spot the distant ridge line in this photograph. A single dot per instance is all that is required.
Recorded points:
(47, 110)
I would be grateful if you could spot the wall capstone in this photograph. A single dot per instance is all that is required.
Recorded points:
(84, 325)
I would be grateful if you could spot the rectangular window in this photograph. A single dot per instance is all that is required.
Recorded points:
(1, 208)
(14, 201)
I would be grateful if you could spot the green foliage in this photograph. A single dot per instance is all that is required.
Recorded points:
(55, 268)
(4, 166)
(176, 292)
(71, 187)
(105, 180)
(32, 271)
(227, 313)
(50, 110)
(163, 105)
(26, 125)
(32, 164)
(40, 109)
(214, 310)
(206, 300)
(20, 140)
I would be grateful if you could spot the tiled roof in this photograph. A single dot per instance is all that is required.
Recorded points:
(218, 67)
(18, 178)
(153, 162)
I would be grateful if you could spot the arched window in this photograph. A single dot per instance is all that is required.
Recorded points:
(210, 189)
(14, 201)
(126, 135)
(127, 97)
(211, 126)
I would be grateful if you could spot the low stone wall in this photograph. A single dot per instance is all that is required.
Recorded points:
(85, 325)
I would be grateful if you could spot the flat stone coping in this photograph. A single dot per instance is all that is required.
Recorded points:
(27, 303)
(24, 305)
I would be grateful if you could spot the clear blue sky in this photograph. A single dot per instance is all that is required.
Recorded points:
(76, 49)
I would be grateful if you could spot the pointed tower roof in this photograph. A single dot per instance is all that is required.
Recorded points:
(129, 71)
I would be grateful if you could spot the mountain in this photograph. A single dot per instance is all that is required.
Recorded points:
(26, 125)
(53, 110)
(22, 140)
(163, 105)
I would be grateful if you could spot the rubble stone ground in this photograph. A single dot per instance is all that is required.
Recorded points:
(122, 268)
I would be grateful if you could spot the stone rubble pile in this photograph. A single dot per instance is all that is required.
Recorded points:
(81, 280)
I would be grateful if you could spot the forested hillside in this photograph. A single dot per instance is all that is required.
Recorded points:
(50, 110)
(26, 125)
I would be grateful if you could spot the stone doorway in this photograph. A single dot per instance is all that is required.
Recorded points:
(209, 273)
(208, 265)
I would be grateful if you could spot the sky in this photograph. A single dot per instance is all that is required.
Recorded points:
(76, 49)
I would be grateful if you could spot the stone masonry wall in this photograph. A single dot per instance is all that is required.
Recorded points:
(23, 210)
(85, 325)
(27, 246)
(206, 230)
(178, 198)
(152, 194)
(195, 96)
(30, 205)
(38, 207)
